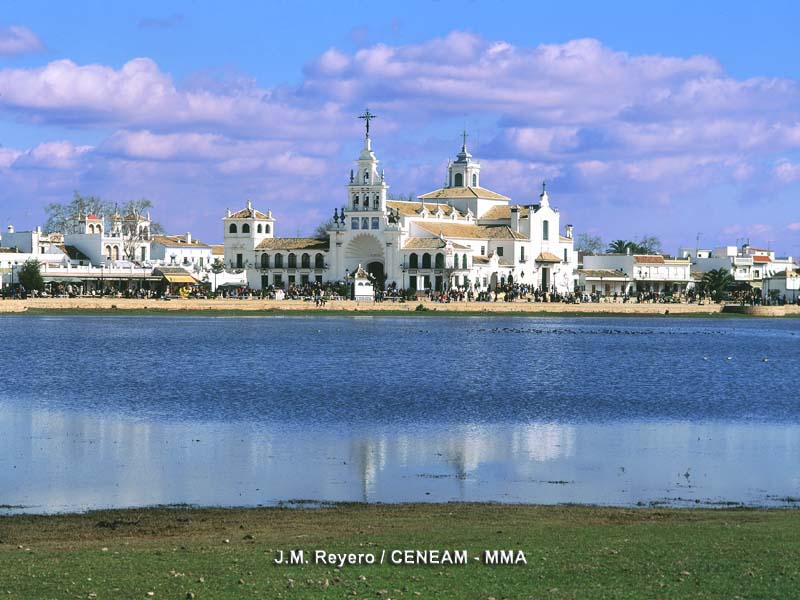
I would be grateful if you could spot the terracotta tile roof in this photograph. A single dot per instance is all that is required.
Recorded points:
(762, 259)
(480, 260)
(412, 208)
(547, 257)
(175, 241)
(605, 273)
(420, 243)
(464, 192)
(465, 231)
(293, 244)
(248, 213)
(497, 213)
(648, 259)
(217, 250)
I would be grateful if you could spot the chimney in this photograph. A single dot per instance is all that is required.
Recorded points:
(628, 250)
(249, 205)
(228, 212)
(188, 237)
(569, 231)
(515, 219)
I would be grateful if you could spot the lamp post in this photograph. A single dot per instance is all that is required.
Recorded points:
(403, 269)
(347, 282)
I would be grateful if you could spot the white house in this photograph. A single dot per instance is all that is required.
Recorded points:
(607, 274)
(180, 250)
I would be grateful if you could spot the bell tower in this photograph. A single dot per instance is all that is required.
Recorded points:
(367, 187)
(464, 172)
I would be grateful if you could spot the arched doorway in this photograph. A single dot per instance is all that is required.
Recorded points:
(375, 269)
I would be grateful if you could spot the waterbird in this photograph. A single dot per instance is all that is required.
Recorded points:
(764, 359)
(730, 358)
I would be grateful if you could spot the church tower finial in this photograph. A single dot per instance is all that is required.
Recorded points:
(367, 116)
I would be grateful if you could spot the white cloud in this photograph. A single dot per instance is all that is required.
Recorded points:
(18, 40)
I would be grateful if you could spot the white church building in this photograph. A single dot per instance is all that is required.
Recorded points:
(462, 235)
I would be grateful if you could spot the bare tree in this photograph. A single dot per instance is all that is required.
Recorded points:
(136, 226)
(66, 217)
(321, 232)
(589, 244)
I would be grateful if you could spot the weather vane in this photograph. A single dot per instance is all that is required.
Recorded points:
(367, 116)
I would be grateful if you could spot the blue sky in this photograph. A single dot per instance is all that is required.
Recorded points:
(667, 119)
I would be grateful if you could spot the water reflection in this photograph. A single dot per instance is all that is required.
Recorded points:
(62, 460)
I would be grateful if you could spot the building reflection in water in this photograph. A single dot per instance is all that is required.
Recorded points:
(58, 461)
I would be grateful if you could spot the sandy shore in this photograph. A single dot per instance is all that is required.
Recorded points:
(257, 305)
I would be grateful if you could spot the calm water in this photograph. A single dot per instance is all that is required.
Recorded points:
(127, 411)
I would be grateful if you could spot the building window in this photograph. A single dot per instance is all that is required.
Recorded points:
(318, 278)
(266, 228)
(364, 222)
(483, 250)
(376, 202)
(277, 279)
(366, 176)
(116, 252)
(305, 261)
(232, 228)
(522, 254)
(260, 229)
(319, 261)
(265, 261)
(565, 255)
(455, 261)
(499, 251)
(245, 228)
(278, 261)
(426, 261)
(304, 279)
(439, 260)
(375, 223)
(291, 279)
(413, 261)
(239, 261)
(545, 230)
(292, 261)
(464, 262)
(144, 253)
(459, 180)
(354, 221)
(355, 201)
(474, 180)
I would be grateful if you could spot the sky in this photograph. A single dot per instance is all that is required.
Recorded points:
(674, 119)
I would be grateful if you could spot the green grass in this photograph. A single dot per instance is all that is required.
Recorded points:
(572, 552)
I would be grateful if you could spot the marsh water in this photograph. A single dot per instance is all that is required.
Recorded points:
(131, 411)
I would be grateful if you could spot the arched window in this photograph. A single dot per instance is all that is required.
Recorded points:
(292, 261)
(464, 262)
(355, 200)
(459, 180)
(265, 261)
(108, 252)
(91, 228)
(376, 202)
(474, 180)
(319, 261)
(232, 228)
(545, 230)
(439, 260)
(413, 261)
(455, 261)
(259, 229)
(245, 228)
(279, 261)
(305, 261)
(116, 252)
(366, 176)
(266, 228)
(426, 261)
(98, 229)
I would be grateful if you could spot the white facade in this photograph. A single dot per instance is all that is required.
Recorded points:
(462, 235)
(607, 274)
(746, 264)
(180, 250)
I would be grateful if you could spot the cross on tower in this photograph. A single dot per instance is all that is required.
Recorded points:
(367, 116)
(464, 136)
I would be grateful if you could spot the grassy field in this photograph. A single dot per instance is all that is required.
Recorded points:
(571, 552)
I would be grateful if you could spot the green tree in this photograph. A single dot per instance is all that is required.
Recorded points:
(620, 247)
(589, 244)
(30, 275)
(716, 281)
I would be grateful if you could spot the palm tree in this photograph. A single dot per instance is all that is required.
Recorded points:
(716, 281)
(620, 247)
